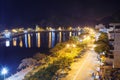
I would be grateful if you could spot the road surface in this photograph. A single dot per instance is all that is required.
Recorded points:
(84, 67)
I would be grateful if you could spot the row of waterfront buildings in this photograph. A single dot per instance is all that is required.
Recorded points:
(111, 67)
(114, 40)
(113, 31)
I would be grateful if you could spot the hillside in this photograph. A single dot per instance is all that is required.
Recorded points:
(114, 18)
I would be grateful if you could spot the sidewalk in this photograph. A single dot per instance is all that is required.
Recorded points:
(20, 75)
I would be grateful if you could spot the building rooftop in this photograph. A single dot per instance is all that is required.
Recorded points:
(114, 24)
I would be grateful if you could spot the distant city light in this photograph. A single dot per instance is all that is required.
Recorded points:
(52, 29)
(25, 31)
(59, 28)
(7, 34)
(14, 30)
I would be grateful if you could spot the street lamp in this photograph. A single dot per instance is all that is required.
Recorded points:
(67, 45)
(4, 71)
(71, 45)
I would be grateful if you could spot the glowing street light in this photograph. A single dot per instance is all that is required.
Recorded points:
(94, 45)
(4, 71)
(74, 45)
(67, 45)
(81, 40)
(59, 29)
(70, 45)
(84, 36)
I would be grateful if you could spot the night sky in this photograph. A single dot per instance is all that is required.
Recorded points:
(55, 12)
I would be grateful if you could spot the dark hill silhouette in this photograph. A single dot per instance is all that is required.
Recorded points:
(114, 18)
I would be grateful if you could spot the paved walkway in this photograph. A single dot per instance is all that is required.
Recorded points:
(20, 75)
(83, 69)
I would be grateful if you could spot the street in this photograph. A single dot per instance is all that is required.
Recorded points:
(84, 67)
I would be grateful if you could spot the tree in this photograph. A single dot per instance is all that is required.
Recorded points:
(27, 62)
(65, 62)
(101, 48)
(102, 43)
(103, 37)
(57, 47)
(39, 56)
(73, 39)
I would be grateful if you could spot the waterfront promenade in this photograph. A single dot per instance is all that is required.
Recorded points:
(20, 75)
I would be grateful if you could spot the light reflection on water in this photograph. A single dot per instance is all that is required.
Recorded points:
(27, 41)
(14, 42)
(43, 39)
(21, 42)
(53, 39)
(60, 37)
(49, 41)
(70, 34)
(7, 43)
(38, 40)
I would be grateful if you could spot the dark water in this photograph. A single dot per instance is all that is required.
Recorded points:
(12, 51)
